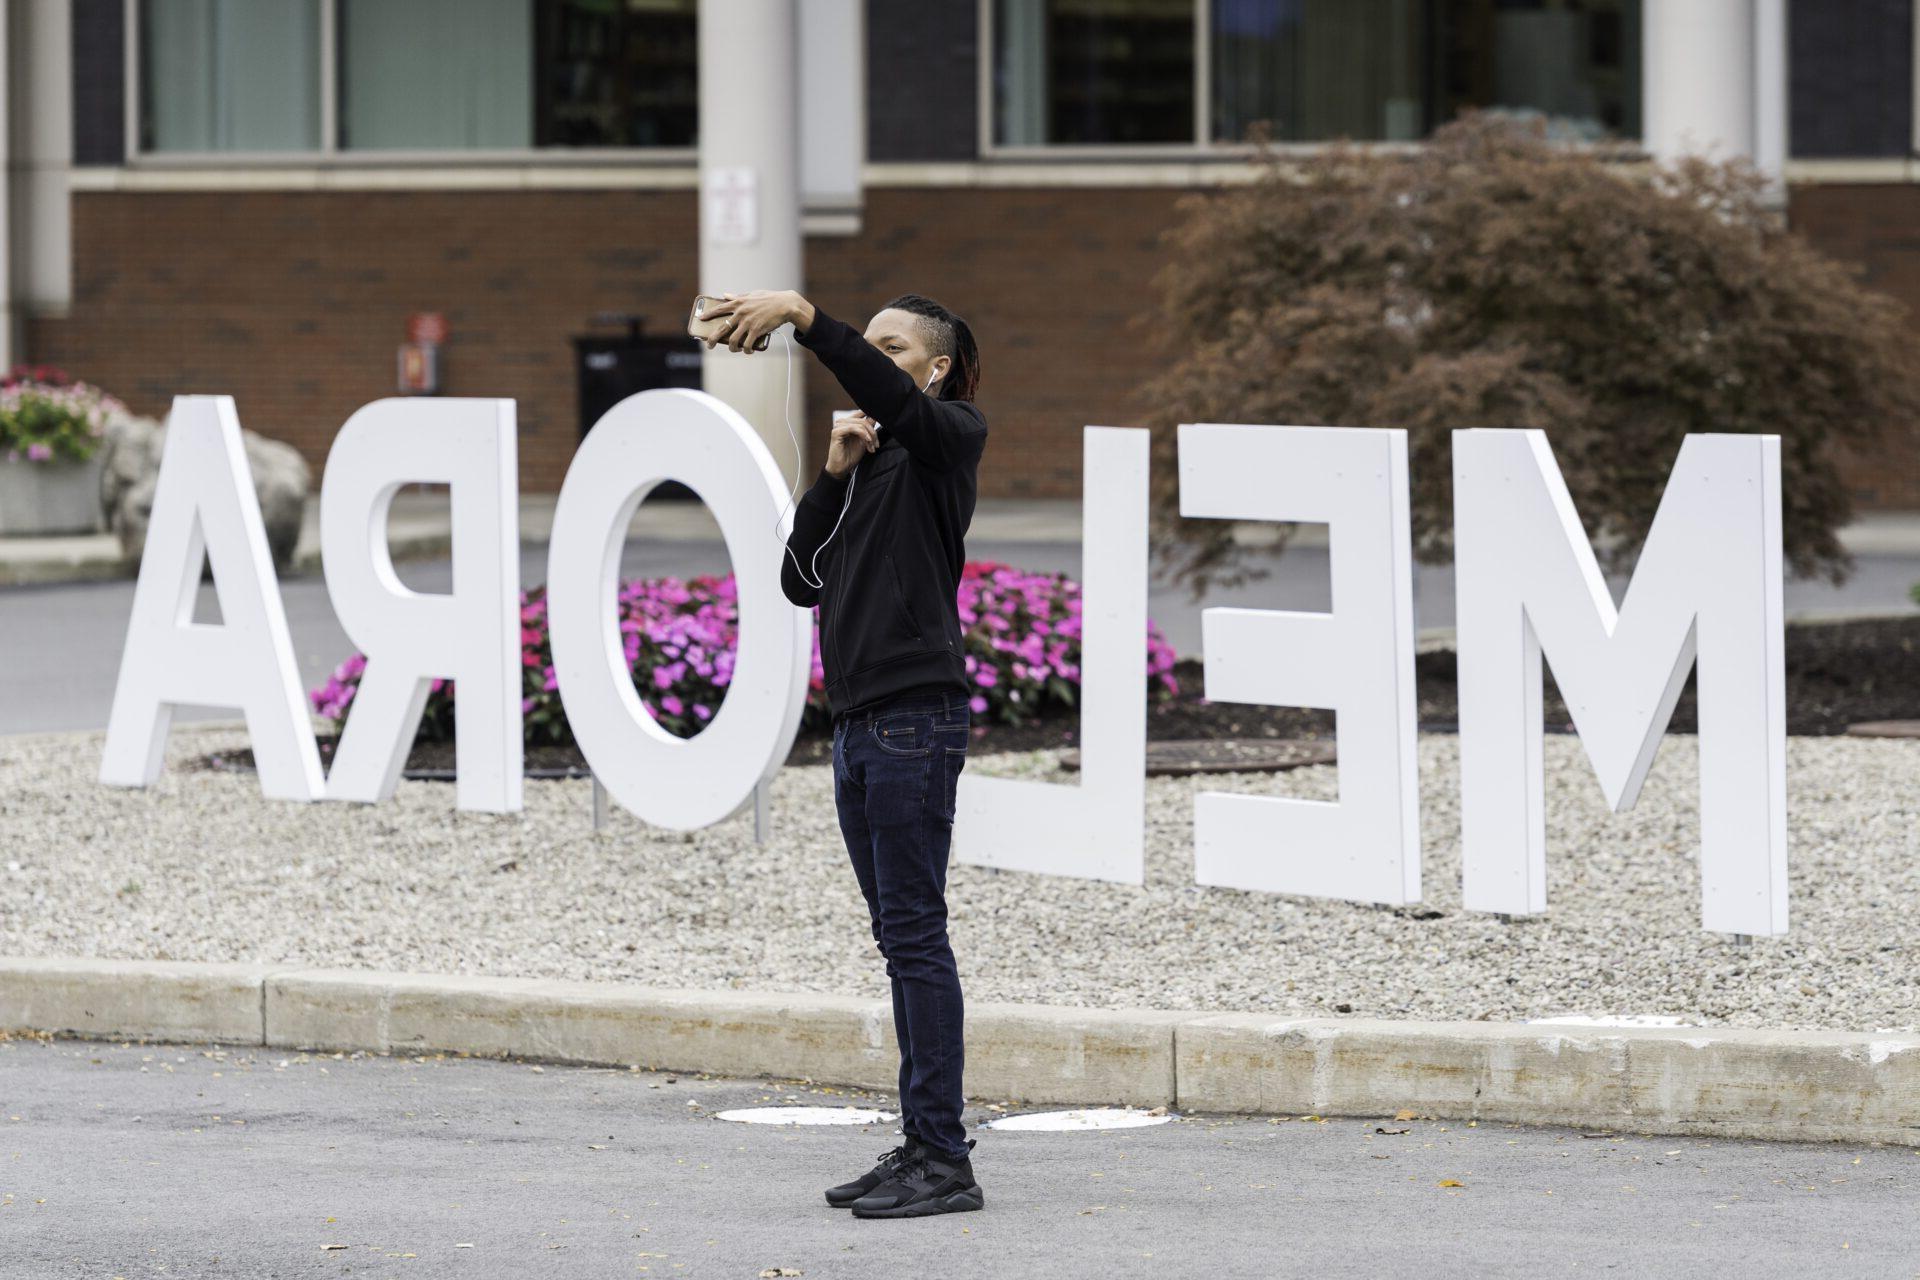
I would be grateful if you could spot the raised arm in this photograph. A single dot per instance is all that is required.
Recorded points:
(940, 434)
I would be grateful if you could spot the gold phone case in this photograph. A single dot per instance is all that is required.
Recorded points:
(703, 328)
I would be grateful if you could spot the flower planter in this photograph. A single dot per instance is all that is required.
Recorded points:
(38, 498)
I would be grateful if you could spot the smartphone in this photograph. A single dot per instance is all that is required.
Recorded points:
(703, 328)
(838, 414)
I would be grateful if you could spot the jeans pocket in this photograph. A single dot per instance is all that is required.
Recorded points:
(905, 733)
(953, 728)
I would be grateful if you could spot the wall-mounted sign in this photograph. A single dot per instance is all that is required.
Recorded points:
(1707, 589)
(733, 204)
(428, 328)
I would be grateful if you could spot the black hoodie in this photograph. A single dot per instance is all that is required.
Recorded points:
(889, 603)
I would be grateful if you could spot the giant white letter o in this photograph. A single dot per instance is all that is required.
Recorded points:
(702, 442)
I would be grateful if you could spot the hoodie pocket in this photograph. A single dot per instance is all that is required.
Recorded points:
(902, 609)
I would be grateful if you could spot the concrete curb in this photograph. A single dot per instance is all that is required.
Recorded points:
(1727, 1082)
(43, 562)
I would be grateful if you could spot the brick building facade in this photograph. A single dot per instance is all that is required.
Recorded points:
(291, 299)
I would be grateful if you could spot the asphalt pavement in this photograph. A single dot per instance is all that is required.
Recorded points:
(198, 1160)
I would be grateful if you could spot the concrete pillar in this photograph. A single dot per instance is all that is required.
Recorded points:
(37, 70)
(833, 114)
(1715, 81)
(10, 328)
(750, 201)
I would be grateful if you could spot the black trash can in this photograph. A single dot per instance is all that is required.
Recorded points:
(612, 366)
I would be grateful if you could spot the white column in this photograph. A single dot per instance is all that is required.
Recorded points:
(833, 113)
(10, 334)
(1714, 77)
(38, 154)
(1698, 68)
(750, 201)
(1770, 95)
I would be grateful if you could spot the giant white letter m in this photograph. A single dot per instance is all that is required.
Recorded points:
(1707, 584)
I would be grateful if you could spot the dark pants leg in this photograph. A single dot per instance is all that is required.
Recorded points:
(850, 798)
(896, 775)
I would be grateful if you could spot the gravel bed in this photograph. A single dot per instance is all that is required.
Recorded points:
(200, 867)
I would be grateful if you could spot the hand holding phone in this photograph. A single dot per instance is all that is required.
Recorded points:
(854, 436)
(713, 328)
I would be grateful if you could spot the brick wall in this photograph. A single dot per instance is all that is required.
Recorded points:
(293, 302)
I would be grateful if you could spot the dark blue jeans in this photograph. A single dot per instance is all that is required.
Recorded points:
(896, 766)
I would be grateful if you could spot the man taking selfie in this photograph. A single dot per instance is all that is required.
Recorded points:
(878, 545)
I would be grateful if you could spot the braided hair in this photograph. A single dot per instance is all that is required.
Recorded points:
(945, 334)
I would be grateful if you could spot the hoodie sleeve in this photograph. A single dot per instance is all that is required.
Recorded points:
(813, 520)
(940, 434)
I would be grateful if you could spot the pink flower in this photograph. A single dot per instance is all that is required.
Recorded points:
(977, 703)
(672, 704)
(39, 451)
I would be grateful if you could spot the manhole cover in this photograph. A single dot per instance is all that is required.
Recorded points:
(1885, 729)
(1224, 755)
(806, 1115)
(1086, 1118)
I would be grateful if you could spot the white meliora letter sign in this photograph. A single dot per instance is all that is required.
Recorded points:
(1356, 660)
(1708, 585)
(1706, 590)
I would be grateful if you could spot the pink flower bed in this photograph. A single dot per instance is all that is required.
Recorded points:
(1022, 634)
(47, 417)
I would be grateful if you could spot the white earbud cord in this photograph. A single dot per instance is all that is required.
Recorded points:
(786, 405)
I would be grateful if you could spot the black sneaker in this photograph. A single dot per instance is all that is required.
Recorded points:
(847, 1192)
(924, 1183)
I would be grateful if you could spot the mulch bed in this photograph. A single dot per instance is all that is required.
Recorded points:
(1837, 673)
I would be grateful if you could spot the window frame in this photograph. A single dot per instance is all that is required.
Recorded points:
(330, 155)
(1196, 145)
(1202, 146)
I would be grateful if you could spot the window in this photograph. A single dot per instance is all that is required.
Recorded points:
(1090, 71)
(415, 75)
(230, 75)
(436, 75)
(1069, 72)
(616, 75)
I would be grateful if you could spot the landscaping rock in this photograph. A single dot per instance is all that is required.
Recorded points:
(132, 448)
